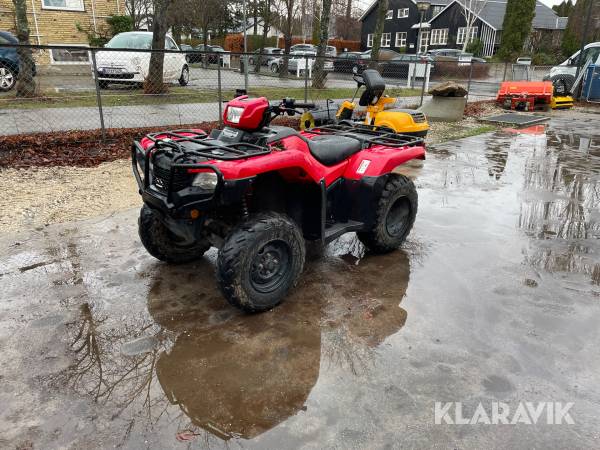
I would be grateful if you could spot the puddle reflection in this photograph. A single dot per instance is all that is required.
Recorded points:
(560, 201)
(212, 371)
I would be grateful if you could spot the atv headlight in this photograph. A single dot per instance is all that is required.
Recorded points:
(207, 181)
(234, 114)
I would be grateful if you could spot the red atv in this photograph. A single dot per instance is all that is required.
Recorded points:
(256, 192)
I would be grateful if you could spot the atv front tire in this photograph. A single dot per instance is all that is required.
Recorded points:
(260, 262)
(164, 245)
(395, 215)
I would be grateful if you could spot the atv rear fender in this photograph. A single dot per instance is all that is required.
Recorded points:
(378, 161)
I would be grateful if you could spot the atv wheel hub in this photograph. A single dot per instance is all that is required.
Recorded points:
(270, 266)
(397, 217)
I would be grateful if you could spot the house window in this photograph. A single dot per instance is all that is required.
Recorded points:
(400, 39)
(436, 10)
(70, 55)
(389, 14)
(462, 34)
(439, 36)
(369, 40)
(386, 39)
(69, 5)
(403, 13)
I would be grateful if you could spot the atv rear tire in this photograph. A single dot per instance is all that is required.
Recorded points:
(164, 245)
(260, 262)
(395, 215)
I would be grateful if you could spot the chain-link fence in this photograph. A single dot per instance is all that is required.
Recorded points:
(75, 88)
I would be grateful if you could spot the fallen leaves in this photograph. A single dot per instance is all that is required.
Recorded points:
(83, 148)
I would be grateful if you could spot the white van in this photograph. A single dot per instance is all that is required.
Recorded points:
(568, 69)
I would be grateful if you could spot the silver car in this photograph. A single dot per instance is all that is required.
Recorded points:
(295, 58)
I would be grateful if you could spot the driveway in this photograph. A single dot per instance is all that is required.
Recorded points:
(494, 298)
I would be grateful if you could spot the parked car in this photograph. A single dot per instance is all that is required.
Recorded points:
(398, 66)
(268, 55)
(452, 55)
(567, 70)
(384, 55)
(303, 48)
(345, 62)
(524, 61)
(331, 51)
(211, 51)
(132, 67)
(187, 50)
(9, 62)
(295, 57)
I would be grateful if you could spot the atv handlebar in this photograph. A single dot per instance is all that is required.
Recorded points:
(287, 106)
(291, 103)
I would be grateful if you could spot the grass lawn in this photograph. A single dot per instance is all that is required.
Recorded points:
(176, 95)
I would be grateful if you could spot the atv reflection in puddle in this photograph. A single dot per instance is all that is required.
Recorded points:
(243, 375)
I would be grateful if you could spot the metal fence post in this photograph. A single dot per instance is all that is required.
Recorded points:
(220, 93)
(305, 78)
(98, 96)
(470, 78)
(424, 81)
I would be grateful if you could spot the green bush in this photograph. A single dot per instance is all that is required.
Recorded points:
(544, 59)
(475, 47)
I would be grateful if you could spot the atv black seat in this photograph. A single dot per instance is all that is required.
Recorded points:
(330, 150)
(374, 87)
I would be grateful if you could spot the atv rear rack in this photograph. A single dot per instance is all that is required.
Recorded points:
(368, 136)
(207, 148)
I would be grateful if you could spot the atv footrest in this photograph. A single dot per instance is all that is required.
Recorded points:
(336, 230)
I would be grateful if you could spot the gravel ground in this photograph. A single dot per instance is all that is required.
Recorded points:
(34, 198)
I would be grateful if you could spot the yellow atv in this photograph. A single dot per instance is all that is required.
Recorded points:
(404, 121)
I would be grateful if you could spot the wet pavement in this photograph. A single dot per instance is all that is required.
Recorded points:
(495, 297)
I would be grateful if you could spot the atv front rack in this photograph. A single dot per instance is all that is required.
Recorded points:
(368, 136)
(206, 146)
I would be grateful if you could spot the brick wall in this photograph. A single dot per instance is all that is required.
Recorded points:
(49, 26)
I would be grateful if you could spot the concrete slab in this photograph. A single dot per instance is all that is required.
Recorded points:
(515, 119)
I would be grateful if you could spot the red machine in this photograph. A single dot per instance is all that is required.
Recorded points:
(257, 192)
(525, 95)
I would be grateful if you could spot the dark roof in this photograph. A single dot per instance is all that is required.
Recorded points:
(545, 18)
(433, 3)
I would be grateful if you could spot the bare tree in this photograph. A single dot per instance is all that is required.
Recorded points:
(140, 12)
(381, 12)
(471, 10)
(155, 82)
(319, 74)
(265, 10)
(25, 83)
(290, 8)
